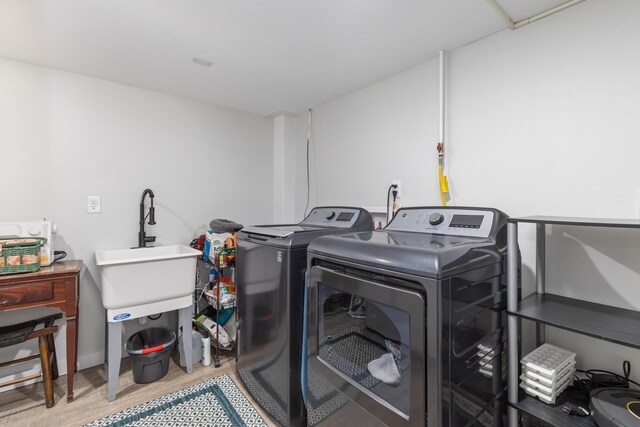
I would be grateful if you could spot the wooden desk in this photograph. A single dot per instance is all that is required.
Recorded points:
(54, 286)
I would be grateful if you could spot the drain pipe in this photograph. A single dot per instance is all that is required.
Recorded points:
(442, 179)
(515, 25)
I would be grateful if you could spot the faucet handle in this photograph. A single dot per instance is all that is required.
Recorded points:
(149, 239)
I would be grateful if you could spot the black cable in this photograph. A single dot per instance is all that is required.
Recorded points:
(308, 181)
(581, 388)
(626, 369)
(594, 376)
(575, 411)
(392, 186)
(58, 255)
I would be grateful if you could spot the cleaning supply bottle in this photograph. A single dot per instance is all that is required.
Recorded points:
(213, 274)
(206, 350)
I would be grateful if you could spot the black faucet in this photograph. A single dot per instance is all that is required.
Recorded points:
(143, 239)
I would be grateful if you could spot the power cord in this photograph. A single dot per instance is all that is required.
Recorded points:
(577, 411)
(601, 378)
(393, 187)
(598, 378)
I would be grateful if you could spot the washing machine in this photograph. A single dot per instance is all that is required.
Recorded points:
(271, 266)
(406, 326)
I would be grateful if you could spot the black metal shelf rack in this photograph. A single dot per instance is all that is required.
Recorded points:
(600, 321)
(224, 271)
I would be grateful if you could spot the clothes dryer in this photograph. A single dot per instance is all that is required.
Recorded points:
(406, 326)
(271, 266)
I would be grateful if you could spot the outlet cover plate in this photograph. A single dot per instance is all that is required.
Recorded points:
(93, 204)
(399, 184)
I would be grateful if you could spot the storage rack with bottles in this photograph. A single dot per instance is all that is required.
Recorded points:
(605, 322)
(224, 267)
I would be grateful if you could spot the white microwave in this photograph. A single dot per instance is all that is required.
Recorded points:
(38, 228)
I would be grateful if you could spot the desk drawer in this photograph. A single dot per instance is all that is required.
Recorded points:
(26, 293)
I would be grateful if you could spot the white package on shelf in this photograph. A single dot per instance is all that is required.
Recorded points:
(548, 382)
(542, 392)
(548, 360)
(547, 371)
(555, 387)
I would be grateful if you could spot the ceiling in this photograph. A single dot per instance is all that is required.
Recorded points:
(275, 54)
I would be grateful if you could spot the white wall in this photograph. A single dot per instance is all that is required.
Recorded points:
(542, 120)
(25, 117)
(86, 136)
(283, 169)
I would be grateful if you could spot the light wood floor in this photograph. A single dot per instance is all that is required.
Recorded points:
(25, 405)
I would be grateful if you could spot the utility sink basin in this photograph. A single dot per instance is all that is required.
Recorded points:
(139, 282)
(135, 277)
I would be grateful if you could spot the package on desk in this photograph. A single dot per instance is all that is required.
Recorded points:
(20, 255)
(214, 243)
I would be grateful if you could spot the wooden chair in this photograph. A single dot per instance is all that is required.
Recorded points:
(25, 331)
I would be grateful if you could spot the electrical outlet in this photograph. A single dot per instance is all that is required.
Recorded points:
(399, 188)
(93, 204)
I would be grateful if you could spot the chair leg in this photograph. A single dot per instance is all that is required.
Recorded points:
(46, 371)
(54, 359)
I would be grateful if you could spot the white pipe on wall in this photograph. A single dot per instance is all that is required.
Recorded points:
(441, 118)
(442, 179)
(503, 13)
(546, 13)
(515, 25)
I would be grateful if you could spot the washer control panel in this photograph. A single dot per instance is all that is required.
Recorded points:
(332, 217)
(453, 222)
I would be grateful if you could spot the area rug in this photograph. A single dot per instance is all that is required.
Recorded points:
(215, 402)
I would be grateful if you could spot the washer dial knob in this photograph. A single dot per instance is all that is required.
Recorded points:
(331, 215)
(436, 218)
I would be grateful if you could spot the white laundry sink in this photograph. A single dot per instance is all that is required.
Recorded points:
(135, 277)
(139, 282)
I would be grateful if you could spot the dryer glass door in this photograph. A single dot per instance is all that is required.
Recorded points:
(369, 337)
